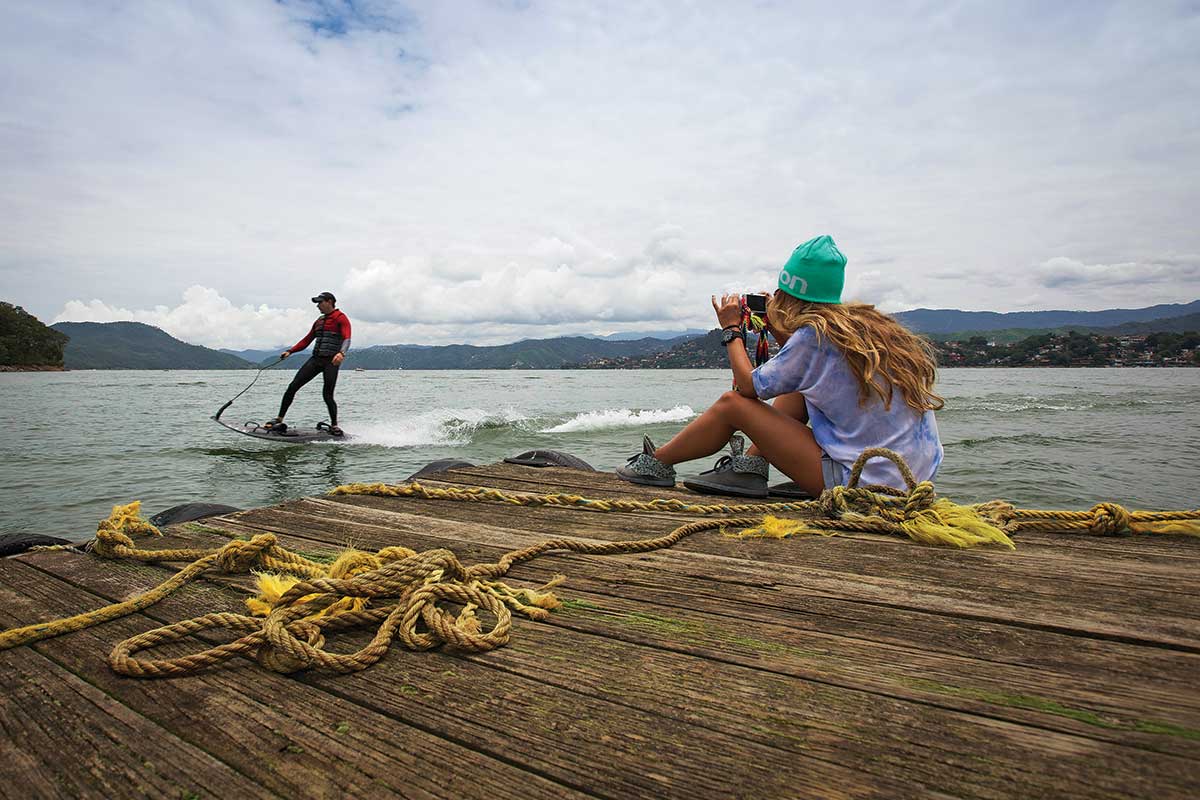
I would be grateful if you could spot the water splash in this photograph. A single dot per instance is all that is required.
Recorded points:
(443, 426)
(621, 418)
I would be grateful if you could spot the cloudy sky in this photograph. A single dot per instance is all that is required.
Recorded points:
(488, 171)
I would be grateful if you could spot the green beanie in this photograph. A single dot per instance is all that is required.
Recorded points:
(815, 272)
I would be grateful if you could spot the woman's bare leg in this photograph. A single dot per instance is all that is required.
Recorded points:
(791, 404)
(779, 437)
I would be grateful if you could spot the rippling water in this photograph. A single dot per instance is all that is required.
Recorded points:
(75, 443)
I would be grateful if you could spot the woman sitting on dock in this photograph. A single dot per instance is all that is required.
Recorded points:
(855, 375)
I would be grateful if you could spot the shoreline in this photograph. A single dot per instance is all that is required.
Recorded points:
(941, 367)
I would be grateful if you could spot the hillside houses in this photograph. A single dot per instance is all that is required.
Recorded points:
(1075, 349)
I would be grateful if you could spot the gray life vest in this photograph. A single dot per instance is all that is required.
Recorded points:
(327, 342)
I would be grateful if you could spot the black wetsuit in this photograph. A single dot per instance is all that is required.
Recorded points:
(316, 365)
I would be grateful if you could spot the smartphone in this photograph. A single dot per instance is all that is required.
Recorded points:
(757, 303)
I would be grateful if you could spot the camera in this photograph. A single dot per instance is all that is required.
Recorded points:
(757, 303)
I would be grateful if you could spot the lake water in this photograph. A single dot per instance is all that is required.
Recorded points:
(75, 443)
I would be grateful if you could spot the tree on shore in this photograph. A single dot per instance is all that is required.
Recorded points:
(26, 342)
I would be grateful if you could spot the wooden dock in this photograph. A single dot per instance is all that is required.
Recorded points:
(853, 666)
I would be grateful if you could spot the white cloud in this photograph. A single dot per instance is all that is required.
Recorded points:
(504, 152)
(1071, 283)
(890, 292)
(1069, 272)
(415, 301)
(204, 317)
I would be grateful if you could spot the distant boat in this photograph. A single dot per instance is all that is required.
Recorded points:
(359, 369)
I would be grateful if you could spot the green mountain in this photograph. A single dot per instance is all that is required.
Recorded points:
(108, 346)
(934, 322)
(556, 353)
(1076, 349)
(1184, 324)
(133, 345)
(1188, 322)
(696, 352)
(25, 342)
(257, 357)
(526, 354)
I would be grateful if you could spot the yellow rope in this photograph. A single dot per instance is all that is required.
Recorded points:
(1108, 519)
(916, 513)
(399, 590)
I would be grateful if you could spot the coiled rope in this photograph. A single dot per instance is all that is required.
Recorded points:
(403, 593)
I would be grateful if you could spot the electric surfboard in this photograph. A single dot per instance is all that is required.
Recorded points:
(288, 436)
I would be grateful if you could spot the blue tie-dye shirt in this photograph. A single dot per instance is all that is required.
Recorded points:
(816, 368)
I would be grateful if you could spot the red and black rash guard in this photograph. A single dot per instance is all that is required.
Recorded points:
(331, 332)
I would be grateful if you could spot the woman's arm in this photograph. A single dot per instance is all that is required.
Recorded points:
(739, 362)
(729, 315)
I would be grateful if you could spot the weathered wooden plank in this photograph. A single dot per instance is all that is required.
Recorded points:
(1088, 692)
(63, 737)
(286, 736)
(1059, 663)
(1135, 550)
(845, 667)
(714, 697)
(837, 616)
(1144, 616)
(1090, 558)
(575, 740)
(981, 758)
(968, 754)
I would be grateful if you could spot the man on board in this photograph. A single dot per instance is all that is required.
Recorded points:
(331, 332)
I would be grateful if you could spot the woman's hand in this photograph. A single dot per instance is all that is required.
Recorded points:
(729, 310)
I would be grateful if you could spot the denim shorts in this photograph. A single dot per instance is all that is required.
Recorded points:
(833, 472)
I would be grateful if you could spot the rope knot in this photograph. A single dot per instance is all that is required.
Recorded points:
(1109, 519)
(460, 633)
(108, 543)
(116, 532)
(238, 556)
(289, 646)
(998, 511)
(919, 499)
(833, 502)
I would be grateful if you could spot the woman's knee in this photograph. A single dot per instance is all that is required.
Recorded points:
(731, 398)
(732, 404)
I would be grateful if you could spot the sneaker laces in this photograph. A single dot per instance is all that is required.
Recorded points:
(723, 464)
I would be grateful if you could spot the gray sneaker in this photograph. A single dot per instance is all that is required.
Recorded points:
(647, 470)
(735, 474)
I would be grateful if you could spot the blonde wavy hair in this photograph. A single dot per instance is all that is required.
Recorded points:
(882, 353)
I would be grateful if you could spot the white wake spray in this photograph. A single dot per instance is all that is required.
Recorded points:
(443, 426)
(621, 418)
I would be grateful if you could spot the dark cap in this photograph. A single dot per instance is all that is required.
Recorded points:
(325, 296)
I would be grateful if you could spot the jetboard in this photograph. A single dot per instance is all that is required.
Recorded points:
(290, 436)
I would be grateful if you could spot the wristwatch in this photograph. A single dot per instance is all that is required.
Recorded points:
(731, 333)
